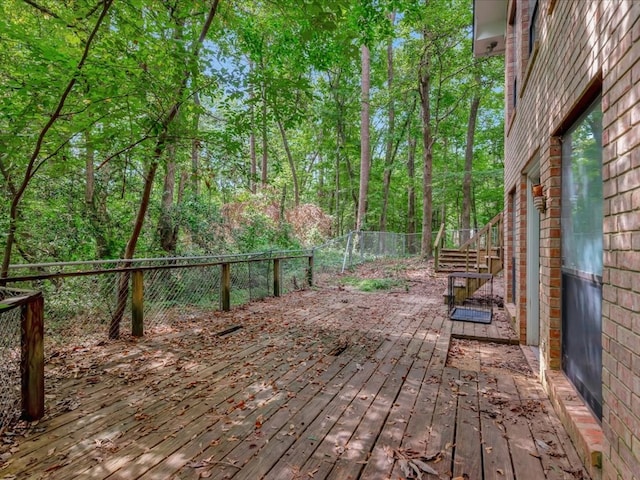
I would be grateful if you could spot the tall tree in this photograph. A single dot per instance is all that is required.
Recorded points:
(35, 162)
(391, 116)
(165, 124)
(468, 164)
(424, 88)
(365, 140)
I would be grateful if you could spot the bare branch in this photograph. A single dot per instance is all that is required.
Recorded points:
(41, 8)
(123, 150)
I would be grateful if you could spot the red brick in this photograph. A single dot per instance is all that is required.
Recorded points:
(581, 39)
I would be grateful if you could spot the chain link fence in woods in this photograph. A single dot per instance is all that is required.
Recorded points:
(355, 248)
(81, 297)
(10, 382)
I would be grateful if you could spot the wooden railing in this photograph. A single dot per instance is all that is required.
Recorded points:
(32, 313)
(484, 240)
(478, 247)
(31, 305)
(437, 246)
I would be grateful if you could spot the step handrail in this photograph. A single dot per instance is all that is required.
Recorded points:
(484, 230)
(474, 245)
(438, 246)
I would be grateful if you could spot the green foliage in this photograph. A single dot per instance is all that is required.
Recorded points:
(374, 284)
(261, 234)
(299, 61)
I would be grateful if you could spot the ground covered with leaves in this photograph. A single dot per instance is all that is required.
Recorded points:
(358, 377)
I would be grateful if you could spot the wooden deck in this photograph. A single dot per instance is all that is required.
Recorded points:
(322, 384)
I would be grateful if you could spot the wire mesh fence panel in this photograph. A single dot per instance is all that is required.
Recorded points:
(76, 307)
(294, 274)
(10, 380)
(330, 257)
(240, 284)
(412, 243)
(358, 247)
(383, 245)
(260, 282)
(170, 293)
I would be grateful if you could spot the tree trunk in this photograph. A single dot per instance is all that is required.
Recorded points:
(95, 205)
(14, 210)
(253, 175)
(123, 284)
(184, 176)
(424, 85)
(167, 229)
(411, 191)
(468, 166)
(195, 149)
(389, 152)
(365, 150)
(265, 155)
(292, 166)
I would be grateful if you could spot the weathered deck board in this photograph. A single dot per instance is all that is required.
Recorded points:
(522, 448)
(467, 460)
(496, 465)
(271, 401)
(409, 404)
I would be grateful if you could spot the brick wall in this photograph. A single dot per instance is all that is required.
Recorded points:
(621, 174)
(583, 43)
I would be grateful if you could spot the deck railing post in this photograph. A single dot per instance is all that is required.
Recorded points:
(137, 303)
(276, 277)
(310, 271)
(466, 267)
(225, 287)
(488, 260)
(32, 358)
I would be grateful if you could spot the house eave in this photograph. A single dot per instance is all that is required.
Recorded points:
(489, 27)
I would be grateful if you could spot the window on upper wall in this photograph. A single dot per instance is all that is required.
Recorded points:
(533, 24)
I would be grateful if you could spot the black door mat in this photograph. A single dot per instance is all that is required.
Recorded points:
(466, 314)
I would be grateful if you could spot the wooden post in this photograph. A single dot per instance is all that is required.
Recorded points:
(310, 271)
(137, 304)
(32, 360)
(467, 260)
(225, 287)
(488, 259)
(276, 277)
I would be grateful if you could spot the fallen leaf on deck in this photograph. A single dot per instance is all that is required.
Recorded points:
(424, 467)
(542, 444)
(412, 463)
(259, 421)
